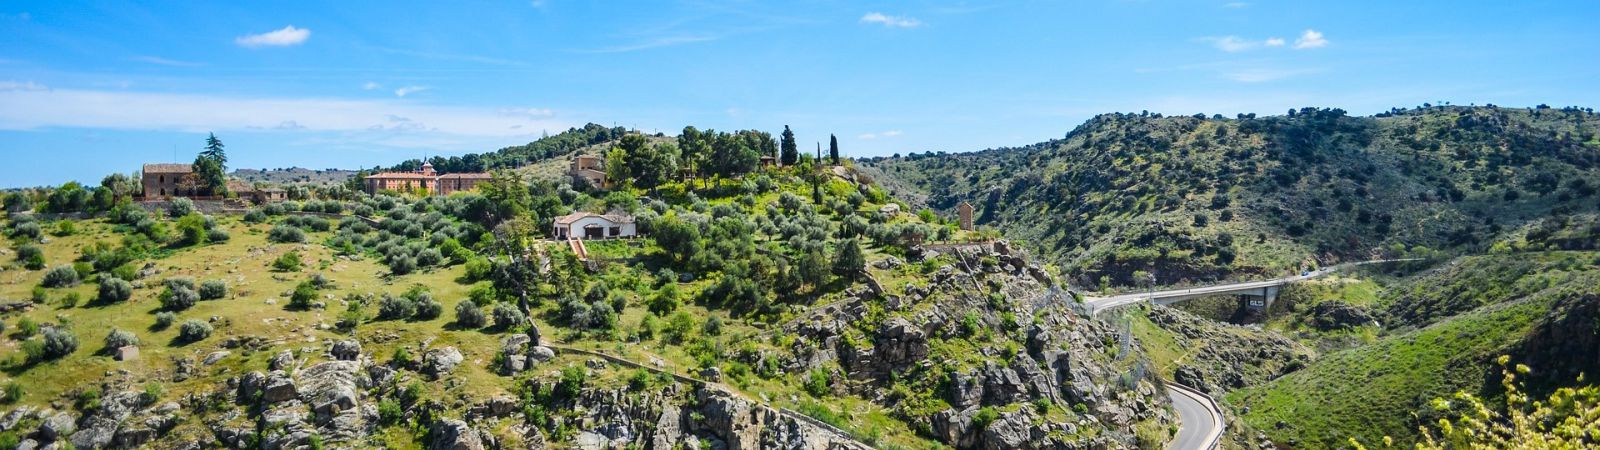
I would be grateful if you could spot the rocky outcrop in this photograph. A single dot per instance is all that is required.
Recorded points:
(451, 434)
(520, 352)
(1027, 346)
(1224, 357)
(1337, 315)
(438, 362)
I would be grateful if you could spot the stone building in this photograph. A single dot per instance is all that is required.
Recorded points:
(257, 195)
(964, 215)
(589, 168)
(166, 180)
(425, 180)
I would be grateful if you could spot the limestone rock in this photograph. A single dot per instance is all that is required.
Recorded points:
(451, 434)
(440, 361)
(346, 350)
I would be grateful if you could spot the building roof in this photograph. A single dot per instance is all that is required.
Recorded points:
(168, 168)
(574, 217)
(470, 175)
(399, 175)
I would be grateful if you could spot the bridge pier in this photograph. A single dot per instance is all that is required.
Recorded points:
(1260, 299)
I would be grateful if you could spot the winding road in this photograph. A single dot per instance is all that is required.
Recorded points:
(1200, 420)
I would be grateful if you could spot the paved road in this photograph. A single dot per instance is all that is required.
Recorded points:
(1200, 424)
(1097, 304)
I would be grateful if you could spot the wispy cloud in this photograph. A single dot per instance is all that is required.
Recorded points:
(166, 62)
(1235, 5)
(31, 107)
(408, 90)
(1235, 44)
(370, 85)
(528, 112)
(1264, 74)
(657, 42)
(284, 37)
(22, 86)
(1310, 39)
(452, 57)
(886, 134)
(890, 21)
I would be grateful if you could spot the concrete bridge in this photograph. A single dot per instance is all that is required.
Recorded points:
(1264, 292)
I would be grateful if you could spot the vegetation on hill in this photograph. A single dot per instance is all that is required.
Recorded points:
(1444, 330)
(783, 287)
(1190, 198)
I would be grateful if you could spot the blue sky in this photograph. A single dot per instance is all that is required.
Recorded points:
(89, 88)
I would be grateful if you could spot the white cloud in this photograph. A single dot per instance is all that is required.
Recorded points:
(1235, 5)
(370, 85)
(891, 21)
(1310, 39)
(408, 90)
(284, 37)
(664, 41)
(35, 107)
(885, 134)
(528, 112)
(1263, 74)
(1274, 42)
(22, 86)
(166, 62)
(1232, 44)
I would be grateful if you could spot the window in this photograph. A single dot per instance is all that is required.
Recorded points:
(161, 178)
(616, 231)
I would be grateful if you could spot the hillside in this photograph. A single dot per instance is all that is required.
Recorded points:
(1187, 198)
(1538, 308)
(753, 315)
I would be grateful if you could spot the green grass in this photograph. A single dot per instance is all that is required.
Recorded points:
(1375, 391)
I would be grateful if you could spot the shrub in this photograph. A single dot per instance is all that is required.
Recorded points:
(59, 342)
(180, 207)
(71, 300)
(713, 326)
(217, 235)
(286, 234)
(40, 295)
(119, 338)
(304, 295)
(27, 327)
(178, 298)
(14, 391)
(507, 317)
(289, 262)
(395, 308)
(482, 294)
(817, 382)
(165, 319)
(468, 315)
(478, 269)
(30, 231)
(401, 265)
(31, 256)
(194, 331)
(192, 229)
(114, 290)
(428, 309)
(389, 412)
(213, 289)
(665, 301)
(985, 416)
(59, 277)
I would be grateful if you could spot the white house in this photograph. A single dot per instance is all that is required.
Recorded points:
(588, 225)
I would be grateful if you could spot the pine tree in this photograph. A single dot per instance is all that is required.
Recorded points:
(849, 262)
(833, 149)
(210, 166)
(791, 152)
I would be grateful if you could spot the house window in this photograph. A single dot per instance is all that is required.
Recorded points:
(161, 178)
(616, 231)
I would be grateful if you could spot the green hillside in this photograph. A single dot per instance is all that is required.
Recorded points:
(1206, 198)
